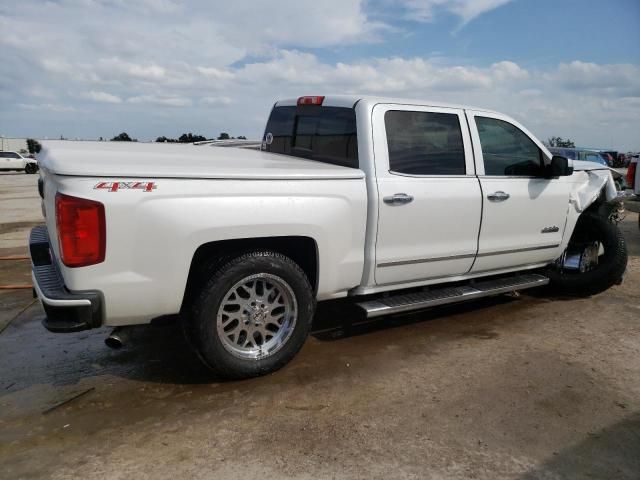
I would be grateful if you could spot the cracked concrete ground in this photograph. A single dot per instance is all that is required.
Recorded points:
(529, 387)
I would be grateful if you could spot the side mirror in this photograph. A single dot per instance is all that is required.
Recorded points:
(559, 167)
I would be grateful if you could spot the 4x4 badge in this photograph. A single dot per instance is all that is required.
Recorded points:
(115, 186)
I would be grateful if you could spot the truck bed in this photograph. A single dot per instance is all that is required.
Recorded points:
(161, 160)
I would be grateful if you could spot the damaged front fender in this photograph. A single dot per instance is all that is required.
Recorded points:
(589, 182)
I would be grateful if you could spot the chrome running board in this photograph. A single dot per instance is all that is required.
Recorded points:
(445, 295)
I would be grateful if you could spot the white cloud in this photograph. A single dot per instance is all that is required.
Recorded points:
(467, 10)
(222, 70)
(53, 107)
(161, 101)
(101, 97)
(216, 100)
(215, 73)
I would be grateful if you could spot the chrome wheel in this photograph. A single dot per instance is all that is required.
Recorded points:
(257, 316)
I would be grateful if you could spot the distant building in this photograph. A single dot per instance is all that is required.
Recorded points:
(13, 144)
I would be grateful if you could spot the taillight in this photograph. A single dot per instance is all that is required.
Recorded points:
(631, 175)
(313, 100)
(81, 230)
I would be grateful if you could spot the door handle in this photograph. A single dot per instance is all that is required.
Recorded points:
(498, 196)
(398, 199)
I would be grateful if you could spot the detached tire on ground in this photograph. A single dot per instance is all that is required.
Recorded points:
(251, 316)
(611, 264)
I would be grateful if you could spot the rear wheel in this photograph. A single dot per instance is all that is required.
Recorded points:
(595, 259)
(251, 316)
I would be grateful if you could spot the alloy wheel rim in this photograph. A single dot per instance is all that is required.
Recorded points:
(257, 316)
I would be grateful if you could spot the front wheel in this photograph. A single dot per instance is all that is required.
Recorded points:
(251, 316)
(30, 168)
(595, 259)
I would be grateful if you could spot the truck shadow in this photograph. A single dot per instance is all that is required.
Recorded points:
(31, 356)
(613, 452)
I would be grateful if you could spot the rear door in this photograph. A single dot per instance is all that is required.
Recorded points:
(429, 198)
(524, 214)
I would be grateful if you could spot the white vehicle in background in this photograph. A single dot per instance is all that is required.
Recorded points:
(14, 161)
(399, 205)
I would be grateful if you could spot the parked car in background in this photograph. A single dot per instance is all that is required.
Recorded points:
(14, 161)
(633, 174)
(614, 157)
(595, 156)
(609, 159)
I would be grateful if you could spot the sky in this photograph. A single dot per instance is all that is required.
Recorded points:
(92, 68)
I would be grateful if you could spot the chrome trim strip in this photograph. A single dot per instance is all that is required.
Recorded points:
(57, 303)
(518, 250)
(426, 260)
(463, 256)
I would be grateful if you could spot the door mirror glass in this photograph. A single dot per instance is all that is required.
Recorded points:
(559, 167)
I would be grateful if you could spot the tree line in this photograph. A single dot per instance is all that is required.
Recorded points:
(184, 138)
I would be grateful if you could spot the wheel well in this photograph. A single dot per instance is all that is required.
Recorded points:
(209, 256)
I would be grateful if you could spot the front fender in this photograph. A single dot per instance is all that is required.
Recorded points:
(586, 188)
(589, 185)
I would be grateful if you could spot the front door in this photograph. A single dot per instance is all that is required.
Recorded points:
(524, 214)
(429, 198)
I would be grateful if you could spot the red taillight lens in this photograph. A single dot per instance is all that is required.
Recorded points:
(81, 230)
(314, 100)
(631, 175)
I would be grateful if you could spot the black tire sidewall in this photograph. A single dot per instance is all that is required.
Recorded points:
(611, 266)
(202, 320)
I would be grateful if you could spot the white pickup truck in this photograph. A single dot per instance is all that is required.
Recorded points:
(400, 205)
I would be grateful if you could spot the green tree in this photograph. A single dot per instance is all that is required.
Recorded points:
(561, 142)
(241, 137)
(33, 145)
(224, 136)
(123, 137)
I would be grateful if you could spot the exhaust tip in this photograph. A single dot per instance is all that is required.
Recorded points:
(118, 337)
(113, 341)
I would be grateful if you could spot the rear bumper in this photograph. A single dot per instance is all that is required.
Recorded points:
(66, 311)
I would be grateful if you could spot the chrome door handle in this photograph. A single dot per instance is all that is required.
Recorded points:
(398, 199)
(498, 196)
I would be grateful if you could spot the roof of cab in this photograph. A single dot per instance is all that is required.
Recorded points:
(350, 101)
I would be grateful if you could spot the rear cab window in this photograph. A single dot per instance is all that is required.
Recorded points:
(315, 132)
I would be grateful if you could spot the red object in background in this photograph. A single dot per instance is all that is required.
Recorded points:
(631, 175)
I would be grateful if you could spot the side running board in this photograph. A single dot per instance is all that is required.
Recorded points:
(445, 295)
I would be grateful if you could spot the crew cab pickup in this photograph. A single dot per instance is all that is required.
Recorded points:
(399, 205)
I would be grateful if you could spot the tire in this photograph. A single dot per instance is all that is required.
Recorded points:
(611, 264)
(249, 341)
(30, 168)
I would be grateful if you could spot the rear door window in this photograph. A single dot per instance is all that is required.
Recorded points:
(424, 143)
(326, 134)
